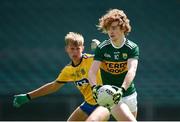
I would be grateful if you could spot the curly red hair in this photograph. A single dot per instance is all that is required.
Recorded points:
(114, 15)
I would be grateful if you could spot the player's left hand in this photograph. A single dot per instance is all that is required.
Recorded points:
(118, 95)
(95, 90)
(20, 100)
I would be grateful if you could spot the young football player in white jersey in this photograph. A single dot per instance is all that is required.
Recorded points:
(117, 58)
(76, 71)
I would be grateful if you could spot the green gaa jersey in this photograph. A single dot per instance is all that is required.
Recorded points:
(114, 62)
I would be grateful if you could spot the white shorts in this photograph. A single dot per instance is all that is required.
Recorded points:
(130, 101)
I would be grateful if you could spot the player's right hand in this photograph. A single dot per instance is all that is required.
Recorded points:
(118, 95)
(95, 91)
(20, 100)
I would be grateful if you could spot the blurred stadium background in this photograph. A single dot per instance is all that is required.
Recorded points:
(32, 53)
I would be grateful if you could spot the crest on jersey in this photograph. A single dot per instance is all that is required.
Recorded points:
(124, 55)
(83, 72)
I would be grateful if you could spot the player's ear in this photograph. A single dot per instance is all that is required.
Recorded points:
(83, 48)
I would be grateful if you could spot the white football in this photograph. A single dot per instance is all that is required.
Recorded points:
(105, 95)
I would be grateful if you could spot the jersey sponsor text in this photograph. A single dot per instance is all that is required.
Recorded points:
(114, 67)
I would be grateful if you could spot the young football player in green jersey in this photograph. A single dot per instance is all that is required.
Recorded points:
(77, 72)
(117, 58)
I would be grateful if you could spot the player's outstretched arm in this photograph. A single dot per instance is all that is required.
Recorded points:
(42, 91)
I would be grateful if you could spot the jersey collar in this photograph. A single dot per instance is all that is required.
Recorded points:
(78, 63)
(120, 45)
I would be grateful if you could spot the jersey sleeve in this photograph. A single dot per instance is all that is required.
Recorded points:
(98, 54)
(134, 53)
(64, 76)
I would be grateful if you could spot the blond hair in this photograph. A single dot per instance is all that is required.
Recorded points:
(114, 15)
(74, 39)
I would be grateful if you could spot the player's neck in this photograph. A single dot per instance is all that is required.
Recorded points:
(119, 42)
(76, 62)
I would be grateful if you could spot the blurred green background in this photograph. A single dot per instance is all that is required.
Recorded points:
(32, 53)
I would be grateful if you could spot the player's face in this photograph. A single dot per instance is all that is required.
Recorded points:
(74, 52)
(114, 31)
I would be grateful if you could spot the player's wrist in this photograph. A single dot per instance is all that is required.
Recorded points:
(93, 86)
(96, 87)
(123, 89)
(28, 96)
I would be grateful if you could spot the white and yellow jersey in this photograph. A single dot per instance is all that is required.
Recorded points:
(79, 75)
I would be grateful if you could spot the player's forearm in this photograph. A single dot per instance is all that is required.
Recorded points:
(128, 79)
(93, 72)
(132, 67)
(92, 78)
(44, 90)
